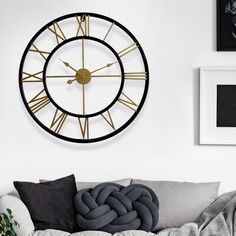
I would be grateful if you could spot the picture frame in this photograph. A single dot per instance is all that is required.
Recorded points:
(226, 25)
(217, 106)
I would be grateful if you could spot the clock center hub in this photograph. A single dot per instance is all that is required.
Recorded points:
(83, 76)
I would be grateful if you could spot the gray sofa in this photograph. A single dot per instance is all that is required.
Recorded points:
(181, 203)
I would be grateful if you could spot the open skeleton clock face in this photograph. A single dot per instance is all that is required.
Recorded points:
(83, 77)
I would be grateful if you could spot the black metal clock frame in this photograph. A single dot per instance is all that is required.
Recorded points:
(99, 112)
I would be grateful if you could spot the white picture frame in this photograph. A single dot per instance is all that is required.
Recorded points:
(209, 133)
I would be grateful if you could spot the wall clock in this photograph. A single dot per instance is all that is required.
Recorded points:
(83, 77)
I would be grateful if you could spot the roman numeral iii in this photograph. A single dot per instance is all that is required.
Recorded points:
(136, 76)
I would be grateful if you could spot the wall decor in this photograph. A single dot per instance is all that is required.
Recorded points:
(226, 25)
(83, 77)
(218, 106)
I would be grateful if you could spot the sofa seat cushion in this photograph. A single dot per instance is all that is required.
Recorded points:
(51, 232)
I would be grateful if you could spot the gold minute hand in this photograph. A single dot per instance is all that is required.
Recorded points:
(106, 66)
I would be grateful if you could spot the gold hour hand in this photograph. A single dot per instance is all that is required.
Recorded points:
(68, 65)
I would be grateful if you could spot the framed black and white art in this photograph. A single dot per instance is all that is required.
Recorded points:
(218, 106)
(226, 25)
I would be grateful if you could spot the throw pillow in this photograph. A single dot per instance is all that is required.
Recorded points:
(181, 202)
(114, 208)
(50, 204)
(82, 184)
(20, 213)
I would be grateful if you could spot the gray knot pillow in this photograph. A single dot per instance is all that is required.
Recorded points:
(114, 208)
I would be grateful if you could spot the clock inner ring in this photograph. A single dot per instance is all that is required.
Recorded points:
(92, 76)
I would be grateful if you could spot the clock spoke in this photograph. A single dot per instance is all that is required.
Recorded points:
(83, 99)
(98, 76)
(60, 76)
(82, 53)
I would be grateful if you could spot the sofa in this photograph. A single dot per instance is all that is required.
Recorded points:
(181, 203)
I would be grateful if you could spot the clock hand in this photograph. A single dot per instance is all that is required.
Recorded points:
(68, 65)
(106, 66)
(70, 81)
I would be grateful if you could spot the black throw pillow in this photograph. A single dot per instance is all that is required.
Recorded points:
(51, 203)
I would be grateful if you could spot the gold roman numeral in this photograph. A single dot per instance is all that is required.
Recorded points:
(56, 30)
(108, 119)
(128, 102)
(58, 121)
(83, 25)
(128, 50)
(43, 54)
(84, 127)
(32, 78)
(109, 30)
(38, 102)
(136, 76)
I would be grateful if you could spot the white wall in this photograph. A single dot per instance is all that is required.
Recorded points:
(178, 38)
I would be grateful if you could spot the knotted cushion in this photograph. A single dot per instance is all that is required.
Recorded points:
(114, 208)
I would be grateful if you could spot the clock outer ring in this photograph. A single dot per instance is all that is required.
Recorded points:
(125, 125)
(118, 93)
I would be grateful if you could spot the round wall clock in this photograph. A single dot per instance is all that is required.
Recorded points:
(83, 77)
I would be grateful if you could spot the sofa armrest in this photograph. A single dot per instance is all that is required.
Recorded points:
(20, 213)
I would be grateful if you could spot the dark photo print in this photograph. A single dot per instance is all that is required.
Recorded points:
(226, 105)
(226, 25)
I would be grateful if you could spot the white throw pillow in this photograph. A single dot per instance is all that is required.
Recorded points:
(20, 213)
